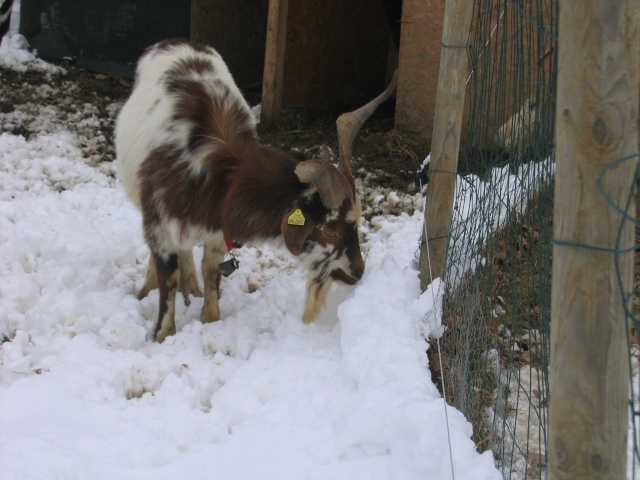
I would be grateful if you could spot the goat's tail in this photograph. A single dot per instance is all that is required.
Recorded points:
(221, 122)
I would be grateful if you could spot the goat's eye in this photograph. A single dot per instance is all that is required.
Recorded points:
(329, 233)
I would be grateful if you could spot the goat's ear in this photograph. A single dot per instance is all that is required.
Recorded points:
(296, 228)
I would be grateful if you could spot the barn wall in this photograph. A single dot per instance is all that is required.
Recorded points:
(336, 53)
(237, 29)
(419, 63)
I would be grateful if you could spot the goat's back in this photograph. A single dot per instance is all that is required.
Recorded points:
(184, 100)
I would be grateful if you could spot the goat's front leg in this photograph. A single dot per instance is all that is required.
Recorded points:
(213, 254)
(168, 275)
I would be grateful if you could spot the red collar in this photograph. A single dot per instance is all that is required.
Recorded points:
(230, 242)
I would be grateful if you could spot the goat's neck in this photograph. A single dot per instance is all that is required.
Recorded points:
(261, 191)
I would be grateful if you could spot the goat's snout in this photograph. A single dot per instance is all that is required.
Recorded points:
(357, 267)
(358, 271)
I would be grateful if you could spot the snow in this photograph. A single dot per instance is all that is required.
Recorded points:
(86, 394)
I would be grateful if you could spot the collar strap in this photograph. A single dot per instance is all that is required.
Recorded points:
(229, 242)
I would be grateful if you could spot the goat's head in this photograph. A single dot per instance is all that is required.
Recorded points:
(326, 238)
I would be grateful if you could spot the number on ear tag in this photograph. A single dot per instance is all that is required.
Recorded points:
(296, 218)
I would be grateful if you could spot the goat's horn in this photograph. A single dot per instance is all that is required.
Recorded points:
(332, 186)
(310, 171)
(349, 124)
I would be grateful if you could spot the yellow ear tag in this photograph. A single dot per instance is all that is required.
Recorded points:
(296, 218)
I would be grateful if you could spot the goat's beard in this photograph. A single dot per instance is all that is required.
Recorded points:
(317, 290)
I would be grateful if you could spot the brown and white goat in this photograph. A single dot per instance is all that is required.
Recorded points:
(189, 157)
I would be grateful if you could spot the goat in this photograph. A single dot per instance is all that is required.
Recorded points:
(190, 159)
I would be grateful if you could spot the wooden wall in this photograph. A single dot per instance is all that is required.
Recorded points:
(237, 29)
(419, 64)
(335, 54)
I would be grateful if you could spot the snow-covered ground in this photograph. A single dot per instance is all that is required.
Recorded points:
(86, 394)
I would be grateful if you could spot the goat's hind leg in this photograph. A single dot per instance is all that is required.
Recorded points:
(213, 254)
(168, 275)
(150, 281)
(188, 280)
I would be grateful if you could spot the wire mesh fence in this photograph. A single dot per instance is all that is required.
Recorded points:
(629, 211)
(496, 305)
(492, 360)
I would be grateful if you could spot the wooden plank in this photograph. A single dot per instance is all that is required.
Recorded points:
(447, 124)
(596, 123)
(274, 60)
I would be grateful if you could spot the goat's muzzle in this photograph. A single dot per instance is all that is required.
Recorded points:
(318, 288)
(356, 270)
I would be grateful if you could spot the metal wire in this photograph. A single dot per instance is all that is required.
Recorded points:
(444, 390)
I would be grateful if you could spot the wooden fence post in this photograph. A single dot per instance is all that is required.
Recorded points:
(274, 61)
(445, 141)
(596, 123)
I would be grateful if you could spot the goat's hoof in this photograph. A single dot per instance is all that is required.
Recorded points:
(162, 334)
(209, 320)
(190, 290)
(209, 317)
(142, 293)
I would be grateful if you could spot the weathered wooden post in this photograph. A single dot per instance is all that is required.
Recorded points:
(596, 123)
(445, 142)
(274, 61)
